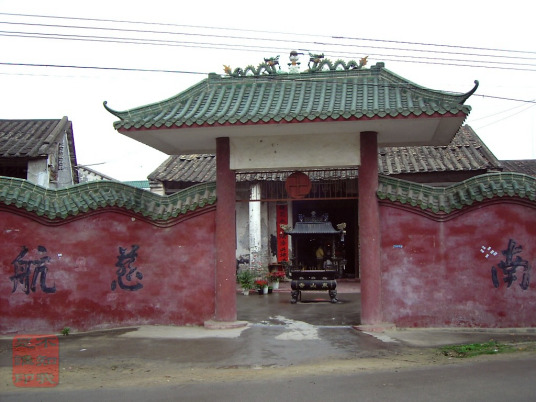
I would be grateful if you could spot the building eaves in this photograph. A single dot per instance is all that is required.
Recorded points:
(312, 96)
(466, 152)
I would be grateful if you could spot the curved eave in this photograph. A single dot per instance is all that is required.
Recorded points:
(335, 101)
(398, 130)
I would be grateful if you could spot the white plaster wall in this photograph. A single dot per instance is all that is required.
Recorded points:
(293, 152)
(242, 229)
(157, 188)
(255, 257)
(38, 172)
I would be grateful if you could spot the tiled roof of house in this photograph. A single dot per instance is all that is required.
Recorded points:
(92, 196)
(35, 138)
(448, 199)
(316, 95)
(466, 152)
(196, 168)
(526, 166)
(32, 138)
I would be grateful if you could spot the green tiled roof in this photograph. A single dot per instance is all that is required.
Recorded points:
(309, 96)
(72, 201)
(455, 197)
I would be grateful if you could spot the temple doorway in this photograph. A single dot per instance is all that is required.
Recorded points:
(336, 249)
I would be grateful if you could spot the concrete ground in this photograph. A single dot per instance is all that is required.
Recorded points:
(279, 339)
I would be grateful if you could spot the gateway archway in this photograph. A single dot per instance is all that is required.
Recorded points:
(342, 251)
(331, 115)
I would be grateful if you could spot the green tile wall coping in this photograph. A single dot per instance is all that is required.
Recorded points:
(82, 198)
(445, 200)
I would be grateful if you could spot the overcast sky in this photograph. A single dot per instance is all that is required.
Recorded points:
(440, 45)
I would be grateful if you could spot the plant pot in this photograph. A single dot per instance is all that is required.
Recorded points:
(275, 285)
(265, 290)
(245, 292)
(259, 291)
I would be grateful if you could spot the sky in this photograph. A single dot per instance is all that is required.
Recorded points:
(149, 51)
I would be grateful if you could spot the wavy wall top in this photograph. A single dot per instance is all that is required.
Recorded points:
(81, 198)
(445, 200)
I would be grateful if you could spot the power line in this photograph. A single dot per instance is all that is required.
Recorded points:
(319, 79)
(208, 45)
(145, 70)
(270, 32)
(501, 65)
(507, 117)
(159, 42)
(242, 38)
(494, 115)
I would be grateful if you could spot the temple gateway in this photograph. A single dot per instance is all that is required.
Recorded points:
(288, 144)
(334, 166)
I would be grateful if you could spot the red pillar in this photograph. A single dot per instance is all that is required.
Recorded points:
(369, 230)
(225, 299)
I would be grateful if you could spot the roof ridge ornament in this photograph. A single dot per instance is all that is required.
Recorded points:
(268, 67)
(317, 63)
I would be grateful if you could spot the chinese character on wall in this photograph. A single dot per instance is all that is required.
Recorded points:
(125, 270)
(509, 267)
(24, 276)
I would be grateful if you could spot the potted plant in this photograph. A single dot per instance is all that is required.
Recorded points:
(275, 277)
(262, 286)
(246, 279)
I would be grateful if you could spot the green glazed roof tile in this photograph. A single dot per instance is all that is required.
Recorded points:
(309, 96)
(457, 196)
(68, 202)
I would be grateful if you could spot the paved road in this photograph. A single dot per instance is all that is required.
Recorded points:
(495, 380)
(305, 351)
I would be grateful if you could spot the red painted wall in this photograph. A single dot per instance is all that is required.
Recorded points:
(176, 264)
(434, 273)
